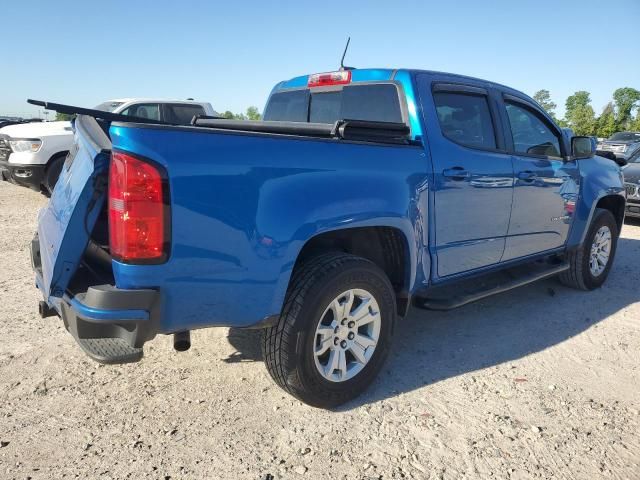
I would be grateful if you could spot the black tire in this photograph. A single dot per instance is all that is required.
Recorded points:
(288, 346)
(52, 172)
(579, 275)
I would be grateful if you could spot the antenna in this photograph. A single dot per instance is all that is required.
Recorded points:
(342, 67)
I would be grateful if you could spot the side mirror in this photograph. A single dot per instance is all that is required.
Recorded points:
(583, 147)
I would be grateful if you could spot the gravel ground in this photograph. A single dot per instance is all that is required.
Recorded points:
(542, 382)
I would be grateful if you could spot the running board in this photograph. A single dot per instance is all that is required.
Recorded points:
(478, 289)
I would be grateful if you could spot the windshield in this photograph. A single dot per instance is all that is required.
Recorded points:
(625, 137)
(108, 106)
(372, 102)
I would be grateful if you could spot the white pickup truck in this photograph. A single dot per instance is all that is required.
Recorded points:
(32, 154)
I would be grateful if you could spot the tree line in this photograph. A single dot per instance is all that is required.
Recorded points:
(616, 116)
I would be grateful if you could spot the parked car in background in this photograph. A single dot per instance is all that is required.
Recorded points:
(32, 154)
(7, 122)
(632, 184)
(362, 192)
(622, 144)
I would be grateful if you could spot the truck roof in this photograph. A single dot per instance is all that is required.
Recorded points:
(382, 74)
(156, 100)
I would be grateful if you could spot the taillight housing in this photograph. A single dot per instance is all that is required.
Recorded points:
(139, 216)
(341, 77)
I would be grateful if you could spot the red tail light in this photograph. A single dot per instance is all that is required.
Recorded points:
(138, 211)
(330, 78)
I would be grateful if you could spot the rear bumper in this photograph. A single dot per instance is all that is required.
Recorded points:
(104, 311)
(30, 176)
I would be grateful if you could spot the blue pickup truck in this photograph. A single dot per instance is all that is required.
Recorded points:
(360, 193)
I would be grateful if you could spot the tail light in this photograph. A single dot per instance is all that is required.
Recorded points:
(330, 78)
(139, 220)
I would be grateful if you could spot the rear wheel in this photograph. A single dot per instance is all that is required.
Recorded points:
(53, 172)
(334, 332)
(591, 262)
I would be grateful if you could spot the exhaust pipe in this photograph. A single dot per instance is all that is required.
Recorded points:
(45, 310)
(182, 341)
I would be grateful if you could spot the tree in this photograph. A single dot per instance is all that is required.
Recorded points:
(64, 117)
(579, 114)
(606, 123)
(543, 97)
(253, 113)
(626, 99)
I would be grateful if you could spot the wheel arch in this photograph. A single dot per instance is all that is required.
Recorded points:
(56, 155)
(386, 246)
(615, 204)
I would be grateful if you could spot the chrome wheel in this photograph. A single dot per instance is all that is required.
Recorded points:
(600, 251)
(347, 334)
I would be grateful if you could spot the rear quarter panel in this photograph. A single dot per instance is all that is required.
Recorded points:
(243, 206)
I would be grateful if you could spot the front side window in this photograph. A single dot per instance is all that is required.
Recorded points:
(465, 119)
(143, 110)
(531, 135)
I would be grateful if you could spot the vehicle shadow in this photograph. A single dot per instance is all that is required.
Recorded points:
(430, 346)
(247, 345)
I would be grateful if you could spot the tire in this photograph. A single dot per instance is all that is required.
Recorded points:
(580, 274)
(53, 172)
(288, 347)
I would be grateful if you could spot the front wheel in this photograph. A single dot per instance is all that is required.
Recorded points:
(589, 264)
(334, 332)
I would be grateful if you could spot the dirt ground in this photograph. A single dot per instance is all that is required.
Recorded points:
(542, 382)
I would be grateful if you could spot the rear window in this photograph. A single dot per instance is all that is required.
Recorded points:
(625, 137)
(372, 102)
(182, 114)
(108, 106)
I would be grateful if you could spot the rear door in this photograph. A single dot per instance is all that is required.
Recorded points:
(473, 174)
(546, 187)
(64, 224)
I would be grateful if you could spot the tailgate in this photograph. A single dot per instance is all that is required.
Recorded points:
(64, 225)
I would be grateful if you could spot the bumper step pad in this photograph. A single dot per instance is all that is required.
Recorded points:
(110, 350)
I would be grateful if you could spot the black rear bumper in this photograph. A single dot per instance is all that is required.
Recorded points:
(110, 324)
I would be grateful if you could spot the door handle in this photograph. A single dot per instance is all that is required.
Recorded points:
(456, 173)
(527, 175)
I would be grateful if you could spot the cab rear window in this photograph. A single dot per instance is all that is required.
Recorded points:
(372, 102)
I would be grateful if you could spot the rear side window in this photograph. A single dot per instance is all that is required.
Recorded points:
(292, 106)
(465, 119)
(531, 135)
(145, 110)
(372, 102)
(182, 114)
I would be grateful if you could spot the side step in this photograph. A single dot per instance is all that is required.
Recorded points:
(471, 290)
(110, 350)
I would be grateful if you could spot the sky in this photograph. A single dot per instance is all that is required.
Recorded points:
(232, 53)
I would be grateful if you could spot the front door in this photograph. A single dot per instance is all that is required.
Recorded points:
(473, 174)
(546, 187)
